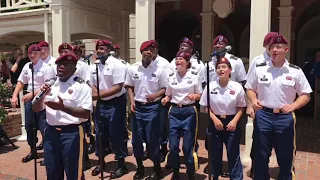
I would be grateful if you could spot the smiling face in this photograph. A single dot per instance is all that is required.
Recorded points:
(34, 56)
(219, 45)
(223, 70)
(181, 63)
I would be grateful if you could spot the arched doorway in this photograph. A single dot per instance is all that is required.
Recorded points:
(173, 28)
(308, 35)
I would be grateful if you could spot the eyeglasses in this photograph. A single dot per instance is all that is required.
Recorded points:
(66, 64)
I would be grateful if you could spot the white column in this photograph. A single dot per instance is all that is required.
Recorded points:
(260, 12)
(60, 24)
(285, 20)
(23, 136)
(145, 23)
(132, 38)
(125, 36)
(207, 29)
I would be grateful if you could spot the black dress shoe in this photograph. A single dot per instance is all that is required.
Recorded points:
(119, 173)
(42, 163)
(145, 155)
(154, 176)
(28, 158)
(206, 170)
(97, 170)
(215, 178)
(40, 146)
(139, 174)
(91, 148)
(86, 165)
(191, 176)
(175, 175)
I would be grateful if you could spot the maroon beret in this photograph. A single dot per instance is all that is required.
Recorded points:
(43, 44)
(186, 40)
(33, 47)
(103, 43)
(184, 55)
(65, 46)
(223, 61)
(115, 46)
(146, 44)
(278, 39)
(67, 57)
(268, 38)
(218, 39)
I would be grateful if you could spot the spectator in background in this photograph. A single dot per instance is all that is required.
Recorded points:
(4, 71)
(311, 69)
(16, 64)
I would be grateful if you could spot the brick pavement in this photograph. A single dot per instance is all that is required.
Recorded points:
(307, 161)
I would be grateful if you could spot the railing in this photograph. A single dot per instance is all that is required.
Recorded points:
(21, 5)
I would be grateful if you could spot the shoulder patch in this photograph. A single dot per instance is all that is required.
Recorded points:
(294, 66)
(234, 57)
(261, 64)
(79, 80)
(124, 62)
(171, 74)
(193, 72)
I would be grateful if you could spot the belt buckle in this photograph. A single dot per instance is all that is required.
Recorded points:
(144, 103)
(223, 116)
(179, 105)
(276, 111)
(59, 129)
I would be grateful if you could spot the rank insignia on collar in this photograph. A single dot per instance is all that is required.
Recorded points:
(214, 92)
(153, 75)
(70, 91)
(264, 78)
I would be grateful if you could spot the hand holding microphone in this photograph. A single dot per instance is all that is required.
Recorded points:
(44, 90)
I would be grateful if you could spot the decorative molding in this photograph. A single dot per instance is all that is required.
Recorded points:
(223, 7)
(285, 11)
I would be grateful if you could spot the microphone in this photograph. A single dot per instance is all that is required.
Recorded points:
(104, 57)
(88, 56)
(42, 93)
(221, 51)
(31, 66)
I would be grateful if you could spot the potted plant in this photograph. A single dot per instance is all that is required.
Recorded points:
(6, 91)
(3, 113)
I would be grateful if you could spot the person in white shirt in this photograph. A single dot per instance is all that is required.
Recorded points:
(146, 83)
(238, 73)
(257, 60)
(112, 106)
(68, 103)
(227, 104)
(272, 89)
(25, 78)
(45, 54)
(186, 45)
(184, 88)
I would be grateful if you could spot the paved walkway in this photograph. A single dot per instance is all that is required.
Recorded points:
(307, 161)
